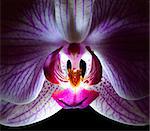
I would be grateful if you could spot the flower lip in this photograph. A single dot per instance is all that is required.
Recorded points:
(74, 104)
(68, 99)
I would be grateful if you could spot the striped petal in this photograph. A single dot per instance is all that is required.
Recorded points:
(32, 20)
(21, 115)
(73, 18)
(28, 36)
(109, 104)
(119, 35)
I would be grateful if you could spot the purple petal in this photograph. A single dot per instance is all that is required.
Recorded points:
(116, 108)
(120, 39)
(21, 115)
(28, 36)
(73, 18)
(32, 20)
(21, 71)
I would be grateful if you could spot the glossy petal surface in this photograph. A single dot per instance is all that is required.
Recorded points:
(119, 35)
(41, 108)
(111, 105)
(70, 100)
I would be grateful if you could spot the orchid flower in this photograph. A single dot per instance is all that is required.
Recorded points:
(72, 54)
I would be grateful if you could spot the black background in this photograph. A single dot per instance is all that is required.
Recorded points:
(75, 119)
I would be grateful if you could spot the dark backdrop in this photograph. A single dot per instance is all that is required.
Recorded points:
(85, 119)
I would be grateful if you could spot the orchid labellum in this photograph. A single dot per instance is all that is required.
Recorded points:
(72, 54)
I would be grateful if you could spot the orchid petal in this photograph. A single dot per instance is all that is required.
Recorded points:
(52, 67)
(109, 104)
(25, 44)
(73, 18)
(29, 21)
(120, 39)
(21, 71)
(95, 74)
(41, 108)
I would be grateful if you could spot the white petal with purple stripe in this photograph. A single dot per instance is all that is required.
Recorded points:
(41, 108)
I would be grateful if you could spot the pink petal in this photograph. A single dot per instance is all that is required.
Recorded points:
(68, 99)
(95, 74)
(52, 68)
(21, 115)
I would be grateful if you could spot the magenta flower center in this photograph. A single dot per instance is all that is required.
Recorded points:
(75, 68)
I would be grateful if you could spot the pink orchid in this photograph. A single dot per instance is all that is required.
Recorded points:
(72, 54)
